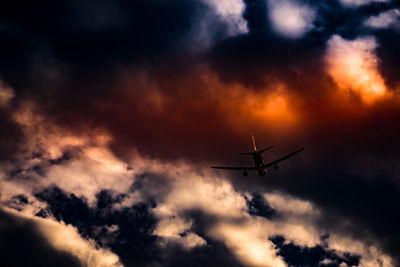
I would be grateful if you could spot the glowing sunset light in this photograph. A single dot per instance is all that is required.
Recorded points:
(243, 106)
(273, 108)
(354, 66)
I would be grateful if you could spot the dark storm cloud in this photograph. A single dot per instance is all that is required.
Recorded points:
(75, 46)
(214, 254)
(92, 35)
(19, 171)
(349, 170)
(66, 56)
(257, 206)
(99, 32)
(247, 58)
(79, 47)
(314, 256)
(152, 187)
(132, 240)
(66, 53)
(263, 55)
(389, 54)
(11, 136)
(17, 202)
(369, 204)
(21, 244)
(358, 206)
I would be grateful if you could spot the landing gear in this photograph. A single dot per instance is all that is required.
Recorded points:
(262, 173)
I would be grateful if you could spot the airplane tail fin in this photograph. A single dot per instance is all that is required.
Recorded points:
(254, 142)
(255, 148)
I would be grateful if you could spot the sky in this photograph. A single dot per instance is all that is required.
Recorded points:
(112, 112)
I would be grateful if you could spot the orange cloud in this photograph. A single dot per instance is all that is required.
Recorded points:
(202, 94)
(354, 67)
(245, 107)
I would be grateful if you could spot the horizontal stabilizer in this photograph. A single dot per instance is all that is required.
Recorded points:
(265, 149)
(252, 153)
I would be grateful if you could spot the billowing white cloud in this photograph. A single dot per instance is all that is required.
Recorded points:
(93, 167)
(290, 18)
(231, 12)
(250, 243)
(371, 254)
(357, 3)
(67, 239)
(225, 13)
(385, 19)
(217, 198)
(245, 235)
(290, 206)
(177, 230)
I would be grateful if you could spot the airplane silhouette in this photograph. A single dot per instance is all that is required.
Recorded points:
(258, 160)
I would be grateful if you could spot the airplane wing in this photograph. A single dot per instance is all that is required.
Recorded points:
(235, 168)
(269, 164)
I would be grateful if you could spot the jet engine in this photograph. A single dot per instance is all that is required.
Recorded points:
(276, 167)
(262, 173)
(245, 173)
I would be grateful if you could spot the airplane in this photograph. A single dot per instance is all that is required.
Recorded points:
(258, 160)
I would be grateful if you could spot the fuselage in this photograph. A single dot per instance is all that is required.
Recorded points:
(259, 163)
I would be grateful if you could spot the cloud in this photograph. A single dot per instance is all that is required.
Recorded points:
(290, 18)
(63, 243)
(6, 94)
(113, 137)
(232, 13)
(384, 20)
(358, 3)
(176, 230)
(353, 66)
(126, 231)
(78, 163)
(299, 256)
(227, 218)
(370, 255)
(193, 207)
(10, 135)
(290, 206)
(250, 243)
(81, 163)
(240, 104)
